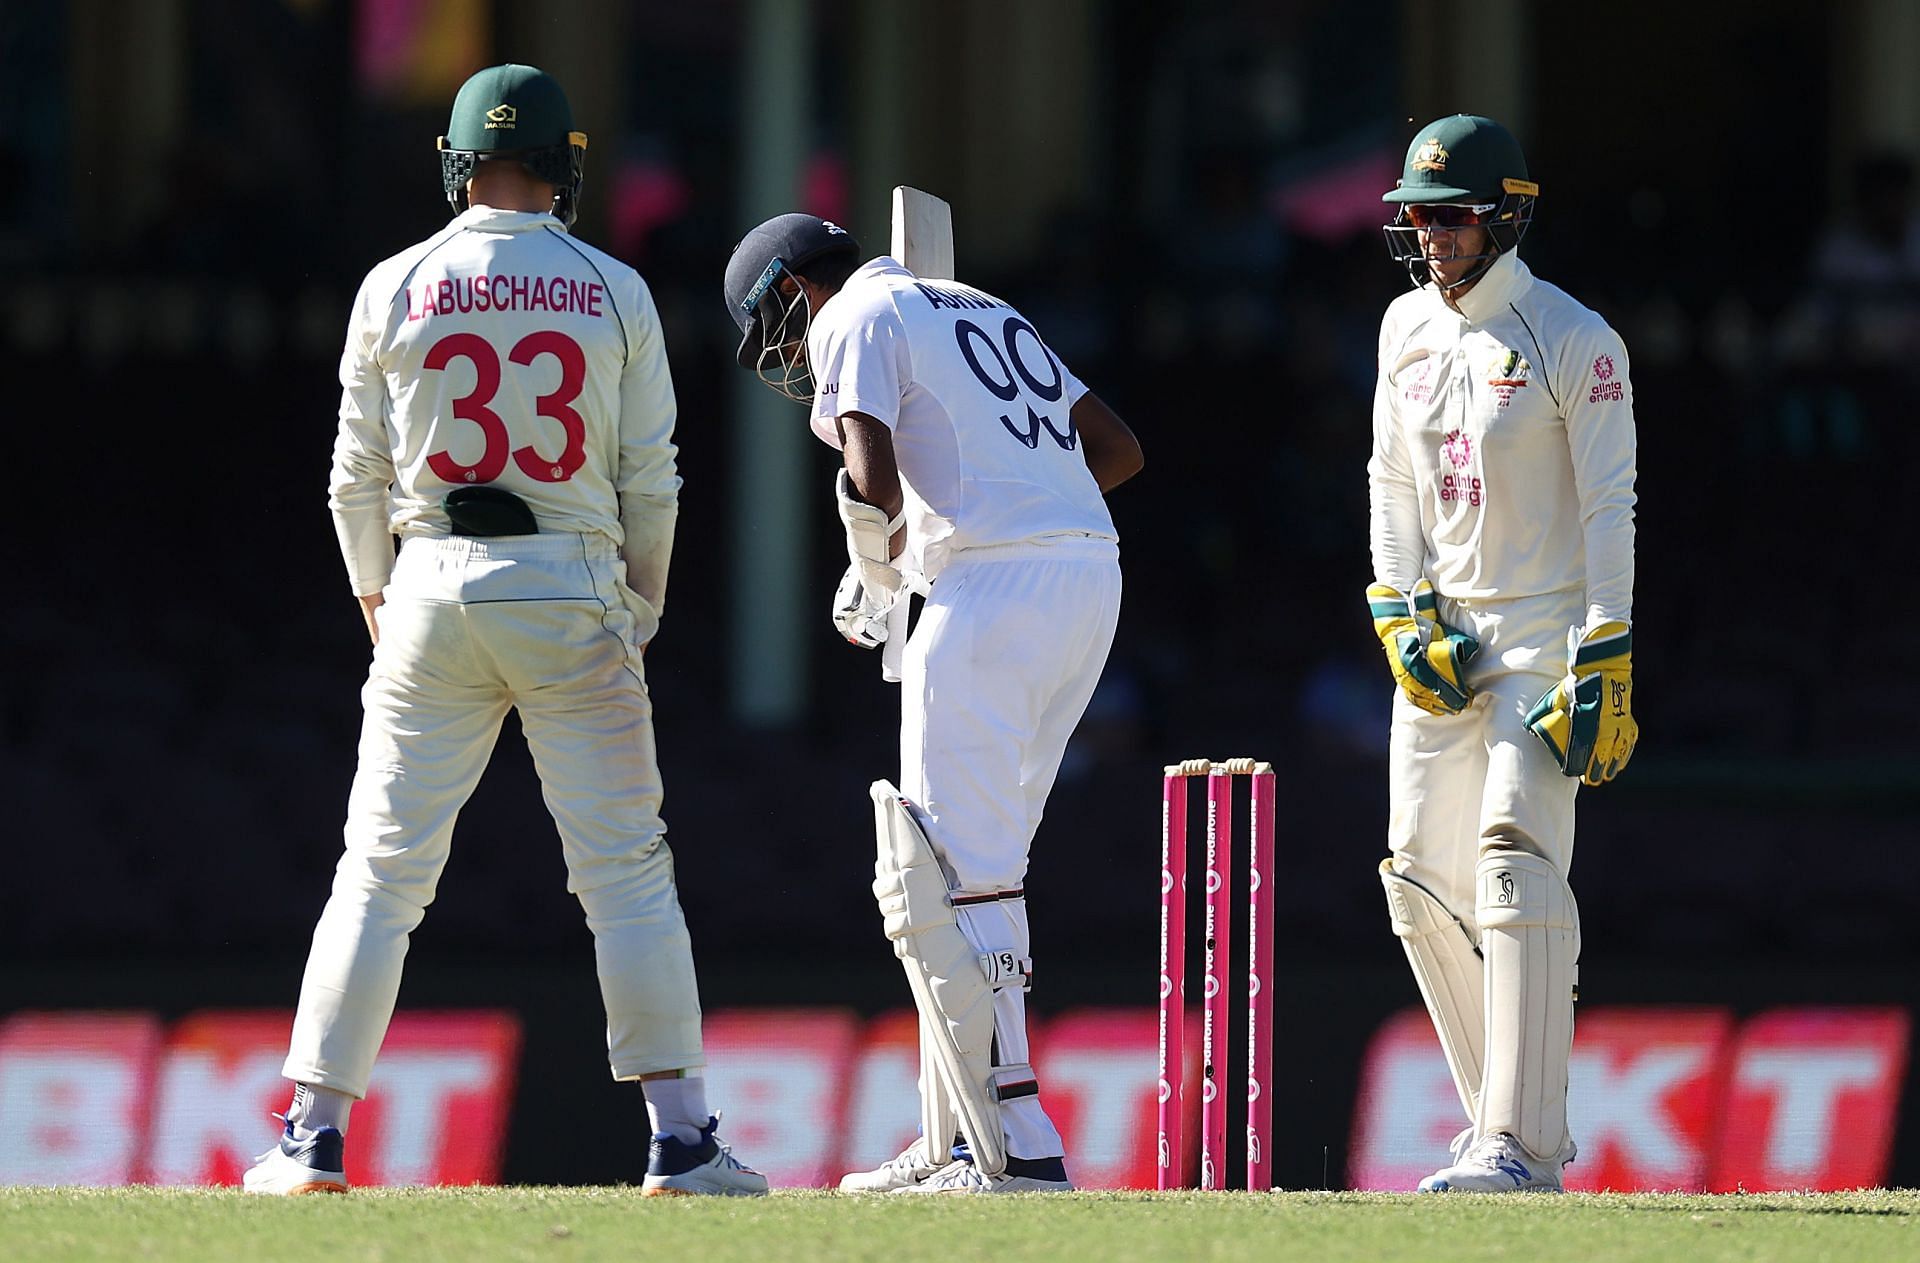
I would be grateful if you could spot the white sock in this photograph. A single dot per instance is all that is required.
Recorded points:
(677, 1106)
(316, 1107)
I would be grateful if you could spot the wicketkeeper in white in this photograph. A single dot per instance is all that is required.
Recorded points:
(1502, 536)
(508, 414)
(975, 466)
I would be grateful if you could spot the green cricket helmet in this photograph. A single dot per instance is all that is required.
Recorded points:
(1461, 171)
(518, 113)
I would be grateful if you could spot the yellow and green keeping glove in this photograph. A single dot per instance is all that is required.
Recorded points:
(1587, 718)
(1428, 658)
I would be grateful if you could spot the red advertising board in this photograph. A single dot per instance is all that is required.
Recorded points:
(781, 1077)
(81, 1094)
(73, 1094)
(1670, 1098)
(1812, 1100)
(1643, 1090)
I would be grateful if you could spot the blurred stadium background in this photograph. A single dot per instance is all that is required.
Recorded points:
(1185, 199)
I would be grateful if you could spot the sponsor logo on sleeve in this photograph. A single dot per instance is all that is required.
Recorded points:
(1606, 388)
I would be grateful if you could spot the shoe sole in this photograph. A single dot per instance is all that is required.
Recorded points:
(702, 1192)
(884, 1188)
(699, 1189)
(301, 1190)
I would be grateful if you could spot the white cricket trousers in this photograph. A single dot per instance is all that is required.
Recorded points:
(1478, 780)
(997, 674)
(469, 628)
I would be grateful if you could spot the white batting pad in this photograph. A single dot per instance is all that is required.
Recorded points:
(950, 987)
(1530, 937)
(1447, 966)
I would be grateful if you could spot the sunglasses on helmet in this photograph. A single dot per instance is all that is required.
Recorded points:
(1447, 215)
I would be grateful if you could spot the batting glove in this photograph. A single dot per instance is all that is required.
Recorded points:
(1587, 718)
(1428, 658)
(861, 602)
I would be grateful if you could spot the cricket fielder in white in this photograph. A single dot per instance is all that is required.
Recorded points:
(508, 414)
(974, 469)
(1502, 536)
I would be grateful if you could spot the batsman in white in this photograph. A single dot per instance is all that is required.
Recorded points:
(1502, 536)
(974, 470)
(508, 413)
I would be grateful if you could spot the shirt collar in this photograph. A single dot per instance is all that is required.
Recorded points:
(879, 266)
(1502, 283)
(496, 220)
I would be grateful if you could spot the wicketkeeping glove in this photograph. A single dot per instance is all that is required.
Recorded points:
(1587, 718)
(1428, 658)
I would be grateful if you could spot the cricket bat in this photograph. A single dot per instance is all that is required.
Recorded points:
(923, 233)
(923, 243)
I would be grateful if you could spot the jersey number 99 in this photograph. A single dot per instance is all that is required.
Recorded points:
(1012, 374)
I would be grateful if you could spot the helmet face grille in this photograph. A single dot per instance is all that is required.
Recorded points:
(558, 165)
(782, 362)
(1505, 228)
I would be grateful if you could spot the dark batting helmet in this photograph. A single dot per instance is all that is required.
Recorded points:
(518, 113)
(773, 327)
(1473, 168)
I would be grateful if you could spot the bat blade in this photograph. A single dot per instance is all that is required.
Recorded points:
(923, 233)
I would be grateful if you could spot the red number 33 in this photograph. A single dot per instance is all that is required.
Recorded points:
(472, 406)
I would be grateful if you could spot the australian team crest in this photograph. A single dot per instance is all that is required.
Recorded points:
(1431, 156)
(1508, 375)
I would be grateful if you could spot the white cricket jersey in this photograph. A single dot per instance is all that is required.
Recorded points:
(500, 351)
(978, 407)
(1503, 446)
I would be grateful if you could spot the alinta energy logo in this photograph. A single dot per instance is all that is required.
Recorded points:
(1419, 384)
(1457, 448)
(502, 117)
(1605, 388)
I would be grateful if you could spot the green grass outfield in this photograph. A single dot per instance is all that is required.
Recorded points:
(575, 1225)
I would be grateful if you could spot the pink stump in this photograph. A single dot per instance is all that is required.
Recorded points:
(1214, 1033)
(1173, 978)
(1260, 934)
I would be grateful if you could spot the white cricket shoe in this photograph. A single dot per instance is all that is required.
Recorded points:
(678, 1169)
(296, 1167)
(1500, 1164)
(1023, 1175)
(903, 1170)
